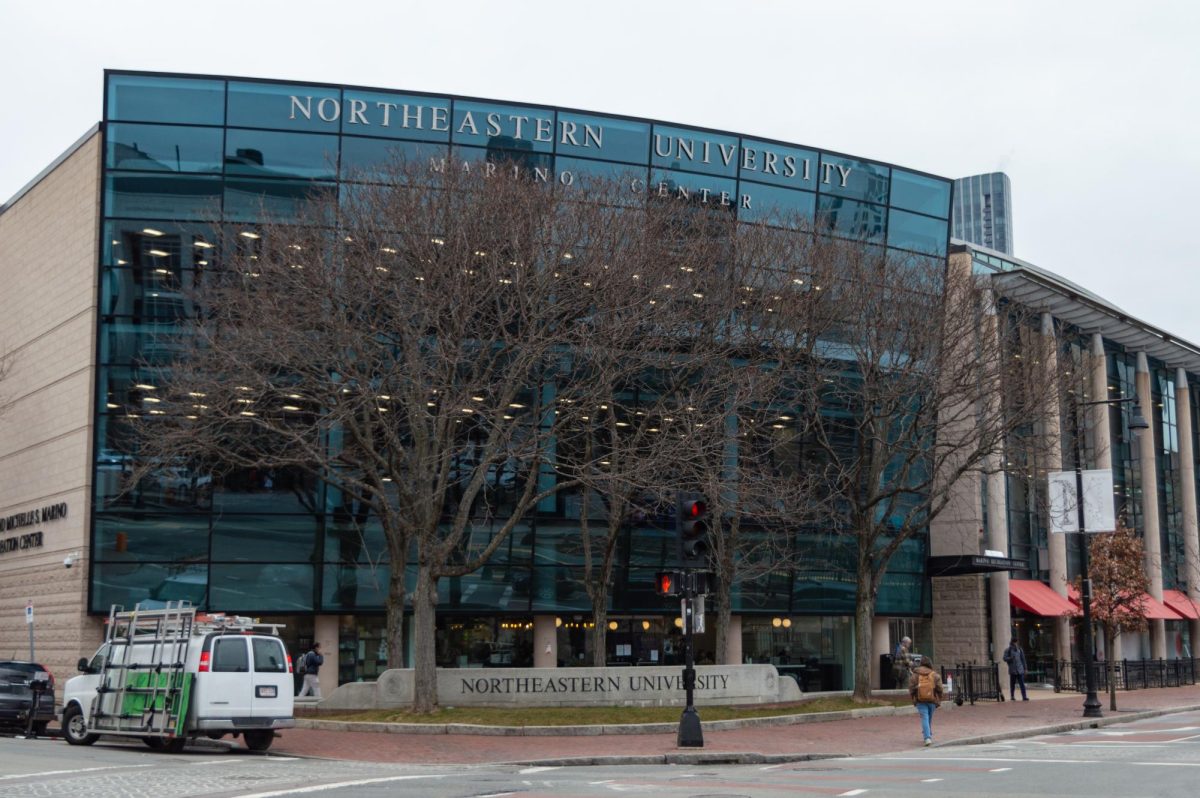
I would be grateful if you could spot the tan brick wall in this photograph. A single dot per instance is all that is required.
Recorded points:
(960, 627)
(48, 274)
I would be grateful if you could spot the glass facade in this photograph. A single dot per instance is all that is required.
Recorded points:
(185, 155)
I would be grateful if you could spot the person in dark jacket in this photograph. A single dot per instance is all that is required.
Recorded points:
(1015, 657)
(312, 664)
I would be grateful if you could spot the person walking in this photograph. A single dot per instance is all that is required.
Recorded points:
(925, 687)
(902, 662)
(312, 665)
(1015, 657)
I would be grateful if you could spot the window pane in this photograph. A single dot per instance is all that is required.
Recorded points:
(169, 197)
(559, 589)
(367, 159)
(701, 189)
(776, 205)
(850, 219)
(128, 583)
(128, 242)
(269, 656)
(262, 588)
(351, 587)
(264, 538)
(920, 193)
(164, 148)
(261, 200)
(268, 490)
(282, 107)
(846, 177)
(158, 537)
(396, 115)
(260, 153)
(695, 151)
(504, 127)
(188, 101)
(229, 655)
(603, 137)
(920, 233)
(765, 162)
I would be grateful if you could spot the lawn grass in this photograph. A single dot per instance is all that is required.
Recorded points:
(584, 716)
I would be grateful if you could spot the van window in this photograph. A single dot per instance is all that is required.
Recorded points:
(229, 655)
(268, 655)
(98, 660)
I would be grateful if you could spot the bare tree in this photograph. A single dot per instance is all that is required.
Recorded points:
(1119, 585)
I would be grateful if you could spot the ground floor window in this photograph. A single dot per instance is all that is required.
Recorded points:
(816, 651)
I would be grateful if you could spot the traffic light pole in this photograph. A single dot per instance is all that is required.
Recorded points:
(690, 733)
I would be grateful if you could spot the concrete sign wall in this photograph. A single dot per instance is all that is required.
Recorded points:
(573, 687)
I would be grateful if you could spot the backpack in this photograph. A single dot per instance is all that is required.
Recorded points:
(302, 664)
(926, 693)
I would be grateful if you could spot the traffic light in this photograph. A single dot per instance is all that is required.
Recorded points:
(691, 530)
(668, 583)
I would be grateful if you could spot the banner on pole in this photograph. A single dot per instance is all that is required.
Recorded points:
(1099, 509)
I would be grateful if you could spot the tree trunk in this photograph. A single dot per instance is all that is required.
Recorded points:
(724, 618)
(395, 616)
(864, 617)
(1109, 646)
(600, 627)
(425, 698)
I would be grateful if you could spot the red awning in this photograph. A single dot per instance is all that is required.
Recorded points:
(1038, 598)
(1155, 610)
(1180, 603)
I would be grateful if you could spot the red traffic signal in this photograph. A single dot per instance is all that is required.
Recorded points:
(691, 530)
(666, 583)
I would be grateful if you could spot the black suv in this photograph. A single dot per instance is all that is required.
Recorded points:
(16, 695)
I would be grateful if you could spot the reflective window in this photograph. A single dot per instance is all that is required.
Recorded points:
(264, 538)
(282, 107)
(502, 588)
(262, 588)
(846, 177)
(152, 537)
(920, 233)
(261, 200)
(128, 583)
(269, 656)
(261, 153)
(396, 115)
(578, 172)
(371, 159)
(653, 546)
(559, 589)
(162, 196)
(698, 189)
(850, 219)
(353, 587)
(503, 127)
(694, 150)
(602, 137)
(151, 296)
(537, 165)
(145, 98)
(163, 148)
(773, 205)
(268, 490)
(229, 655)
(766, 162)
(127, 242)
(128, 342)
(920, 193)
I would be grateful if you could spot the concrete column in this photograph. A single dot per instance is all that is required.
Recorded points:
(325, 632)
(733, 646)
(997, 521)
(1152, 538)
(1187, 482)
(1057, 543)
(545, 641)
(1098, 414)
(881, 644)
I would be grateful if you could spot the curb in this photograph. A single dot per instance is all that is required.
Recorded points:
(679, 758)
(594, 730)
(1075, 725)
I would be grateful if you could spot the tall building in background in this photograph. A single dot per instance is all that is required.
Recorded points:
(982, 211)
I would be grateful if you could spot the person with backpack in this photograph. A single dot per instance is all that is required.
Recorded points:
(310, 665)
(925, 687)
(1015, 657)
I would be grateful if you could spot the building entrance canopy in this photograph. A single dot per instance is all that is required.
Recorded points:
(1180, 603)
(1038, 598)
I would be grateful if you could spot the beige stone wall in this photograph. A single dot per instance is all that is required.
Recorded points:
(48, 275)
(960, 627)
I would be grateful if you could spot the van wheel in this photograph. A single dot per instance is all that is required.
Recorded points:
(259, 740)
(174, 745)
(75, 727)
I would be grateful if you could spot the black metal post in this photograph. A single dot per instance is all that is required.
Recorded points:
(1091, 703)
(691, 735)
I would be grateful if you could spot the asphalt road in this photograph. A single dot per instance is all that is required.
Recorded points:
(1156, 757)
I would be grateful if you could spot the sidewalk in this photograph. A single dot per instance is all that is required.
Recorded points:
(986, 721)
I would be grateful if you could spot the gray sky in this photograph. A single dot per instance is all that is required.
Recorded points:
(1090, 107)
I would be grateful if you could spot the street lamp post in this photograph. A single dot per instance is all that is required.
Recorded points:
(1091, 703)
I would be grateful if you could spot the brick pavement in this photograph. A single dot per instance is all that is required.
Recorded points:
(859, 736)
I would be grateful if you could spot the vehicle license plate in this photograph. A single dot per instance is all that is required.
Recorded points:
(267, 691)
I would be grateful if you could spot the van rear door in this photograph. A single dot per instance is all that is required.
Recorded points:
(272, 679)
(225, 690)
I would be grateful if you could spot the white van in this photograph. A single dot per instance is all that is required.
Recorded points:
(166, 674)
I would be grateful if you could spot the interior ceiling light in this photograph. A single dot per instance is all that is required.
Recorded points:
(202, 245)
(150, 231)
(248, 234)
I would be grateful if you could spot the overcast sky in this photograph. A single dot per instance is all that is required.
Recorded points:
(1092, 108)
